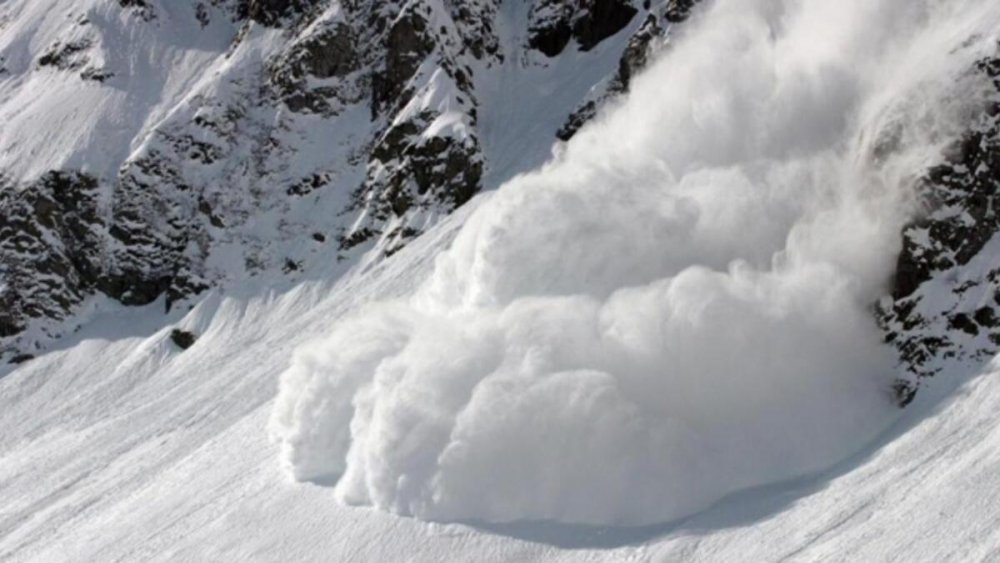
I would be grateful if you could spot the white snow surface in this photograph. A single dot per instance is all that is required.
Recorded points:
(666, 326)
(653, 321)
(53, 120)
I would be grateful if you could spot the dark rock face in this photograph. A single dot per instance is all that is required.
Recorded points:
(66, 56)
(50, 248)
(137, 4)
(634, 59)
(603, 19)
(551, 34)
(140, 7)
(182, 338)
(394, 57)
(476, 20)
(580, 117)
(150, 230)
(330, 53)
(678, 11)
(57, 247)
(21, 358)
(400, 76)
(943, 307)
(439, 172)
(636, 54)
(272, 12)
(407, 45)
(555, 23)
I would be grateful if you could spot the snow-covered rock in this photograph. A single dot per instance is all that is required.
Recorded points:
(225, 139)
(944, 308)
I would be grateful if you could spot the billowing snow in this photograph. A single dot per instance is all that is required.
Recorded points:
(677, 307)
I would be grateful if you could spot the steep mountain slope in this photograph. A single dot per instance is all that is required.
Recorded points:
(188, 145)
(252, 240)
(944, 301)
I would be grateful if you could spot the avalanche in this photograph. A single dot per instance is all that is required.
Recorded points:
(675, 308)
(660, 345)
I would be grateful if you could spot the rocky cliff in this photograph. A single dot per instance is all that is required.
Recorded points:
(183, 145)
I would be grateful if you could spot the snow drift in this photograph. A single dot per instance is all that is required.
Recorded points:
(677, 306)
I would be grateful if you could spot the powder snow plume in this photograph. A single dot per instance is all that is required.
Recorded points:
(678, 305)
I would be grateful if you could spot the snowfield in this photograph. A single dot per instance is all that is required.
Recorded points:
(657, 346)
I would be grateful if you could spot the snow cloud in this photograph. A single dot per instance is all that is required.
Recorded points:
(678, 306)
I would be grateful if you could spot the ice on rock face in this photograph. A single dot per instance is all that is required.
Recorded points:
(677, 307)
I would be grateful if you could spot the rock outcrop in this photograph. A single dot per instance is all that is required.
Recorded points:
(323, 129)
(945, 300)
(635, 57)
(554, 23)
(51, 234)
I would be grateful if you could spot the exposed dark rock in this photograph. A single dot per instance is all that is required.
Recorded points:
(985, 317)
(140, 7)
(634, 58)
(150, 230)
(21, 358)
(182, 338)
(96, 74)
(903, 392)
(291, 266)
(407, 45)
(603, 19)
(554, 23)
(552, 38)
(961, 198)
(476, 20)
(356, 237)
(201, 14)
(636, 55)
(50, 248)
(434, 171)
(330, 53)
(185, 283)
(308, 185)
(961, 321)
(66, 56)
(273, 12)
(678, 11)
(205, 209)
(580, 117)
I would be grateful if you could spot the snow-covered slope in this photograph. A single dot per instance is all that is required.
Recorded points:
(121, 447)
(687, 336)
(163, 147)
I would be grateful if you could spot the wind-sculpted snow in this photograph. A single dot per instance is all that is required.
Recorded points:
(679, 305)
